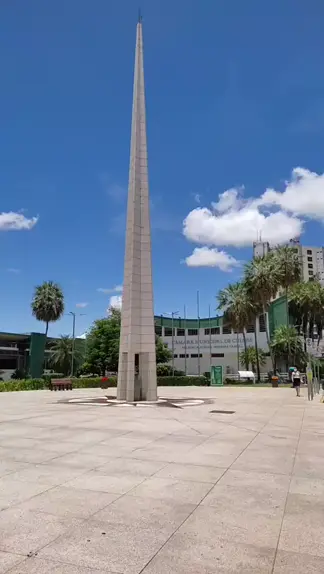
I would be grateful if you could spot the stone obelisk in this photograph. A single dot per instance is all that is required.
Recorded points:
(137, 363)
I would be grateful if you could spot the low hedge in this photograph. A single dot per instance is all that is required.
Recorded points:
(23, 385)
(183, 382)
(98, 383)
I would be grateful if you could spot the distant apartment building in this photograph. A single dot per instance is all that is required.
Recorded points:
(311, 258)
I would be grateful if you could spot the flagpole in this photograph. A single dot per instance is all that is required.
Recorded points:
(198, 314)
(210, 340)
(185, 331)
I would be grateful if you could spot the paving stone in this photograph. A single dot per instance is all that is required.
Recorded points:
(178, 490)
(8, 560)
(23, 531)
(16, 491)
(39, 566)
(191, 555)
(303, 525)
(293, 563)
(95, 480)
(156, 515)
(49, 474)
(118, 548)
(69, 502)
(197, 473)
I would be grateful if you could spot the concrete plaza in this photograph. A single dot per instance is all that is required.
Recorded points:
(162, 490)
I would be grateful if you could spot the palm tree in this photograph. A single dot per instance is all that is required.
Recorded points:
(262, 282)
(61, 354)
(288, 268)
(236, 306)
(287, 342)
(306, 304)
(251, 356)
(48, 303)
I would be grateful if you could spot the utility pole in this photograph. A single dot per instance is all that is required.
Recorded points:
(73, 339)
(173, 314)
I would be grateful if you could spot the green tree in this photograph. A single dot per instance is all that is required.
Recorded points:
(249, 357)
(48, 303)
(163, 353)
(61, 355)
(235, 305)
(287, 343)
(306, 305)
(262, 283)
(102, 346)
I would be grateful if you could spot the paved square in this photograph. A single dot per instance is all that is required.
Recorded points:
(162, 490)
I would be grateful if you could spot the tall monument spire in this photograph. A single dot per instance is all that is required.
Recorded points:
(137, 363)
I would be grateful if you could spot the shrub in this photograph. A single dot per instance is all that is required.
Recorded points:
(18, 374)
(48, 377)
(183, 381)
(163, 370)
(23, 385)
(94, 383)
(207, 374)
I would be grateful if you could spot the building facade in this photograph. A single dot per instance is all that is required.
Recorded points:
(198, 344)
(311, 258)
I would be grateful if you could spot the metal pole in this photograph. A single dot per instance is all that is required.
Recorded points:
(185, 331)
(73, 344)
(210, 341)
(198, 334)
(238, 351)
(172, 316)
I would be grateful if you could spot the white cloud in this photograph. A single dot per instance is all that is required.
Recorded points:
(276, 216)
(11, 221)
(116, 289)
(230, 199)
(197, 197)
(303, 194)
(115, 301)
(211, 257)
(82, 305)
(239, 227)
(13, 270)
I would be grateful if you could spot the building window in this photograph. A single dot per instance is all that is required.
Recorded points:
(311, 279)
(183, 356)
(158, 330)
(168, 332)
(309, 258)
(227, 330)
(310, 272)
(213, 331)
(309, 252)
(194, 356)
(180, 332)
(175, 356)
(192, 332)
(262, 324)
(310, 265)
(250, 329)
(217, 354)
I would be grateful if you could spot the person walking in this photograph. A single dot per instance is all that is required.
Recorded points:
(296, 381)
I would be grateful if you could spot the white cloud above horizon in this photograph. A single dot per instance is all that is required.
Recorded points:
(109, 290)
(12, 221)
(13, 270)
(115, 301)
(82, 305)
(212, 257)
(236, 221)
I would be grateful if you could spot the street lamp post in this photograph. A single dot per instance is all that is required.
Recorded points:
(73, 339)
(173, 314)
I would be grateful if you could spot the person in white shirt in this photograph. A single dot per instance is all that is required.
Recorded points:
(296, 381)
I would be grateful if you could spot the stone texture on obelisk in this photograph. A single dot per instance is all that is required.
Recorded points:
(137, 362)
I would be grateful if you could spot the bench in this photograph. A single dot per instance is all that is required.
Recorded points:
(60, 385)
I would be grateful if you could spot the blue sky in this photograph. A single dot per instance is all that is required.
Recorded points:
(234, 99)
